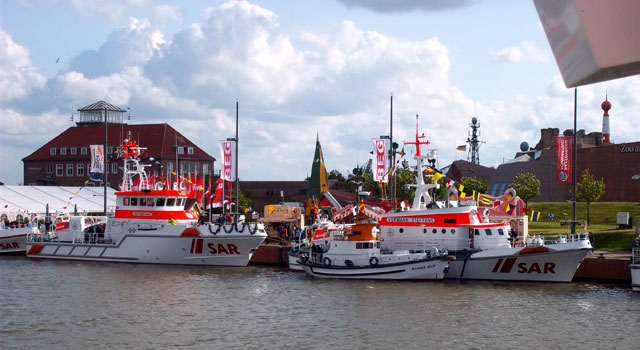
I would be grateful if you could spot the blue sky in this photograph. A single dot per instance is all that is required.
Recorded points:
(298, 68)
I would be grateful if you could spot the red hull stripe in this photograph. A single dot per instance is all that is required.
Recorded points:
(199, 246)
(508, 264)
(154, 215)
(35, 249)
(495, 268)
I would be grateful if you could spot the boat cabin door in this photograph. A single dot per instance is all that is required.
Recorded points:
(471, 238)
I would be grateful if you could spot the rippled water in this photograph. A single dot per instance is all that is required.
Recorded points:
(60, 305)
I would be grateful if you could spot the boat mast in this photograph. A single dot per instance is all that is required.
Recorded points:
(236, 164)
(392, 155)
(104, 156)
(574, 156)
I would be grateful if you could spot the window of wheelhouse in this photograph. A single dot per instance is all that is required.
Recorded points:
(160, 202)
(143, 202)
(125, 201)
(477, 232)
(487, 231)
(501, 232)
(134, 201)
(150, 202)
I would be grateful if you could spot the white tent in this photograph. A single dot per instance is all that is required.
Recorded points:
(33, 200)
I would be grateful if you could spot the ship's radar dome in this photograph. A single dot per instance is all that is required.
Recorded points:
(474, 120)
(524, 146)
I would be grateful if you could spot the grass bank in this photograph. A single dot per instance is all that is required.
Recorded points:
(602, 221)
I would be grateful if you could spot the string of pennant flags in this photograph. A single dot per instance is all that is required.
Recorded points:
(502, 203)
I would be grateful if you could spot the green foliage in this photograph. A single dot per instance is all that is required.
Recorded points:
(473, 183)
(527, 186)
(602, 224)
(589, 189)
(335, 174)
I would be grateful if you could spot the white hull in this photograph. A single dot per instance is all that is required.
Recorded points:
(416, 270)
(293, 263)
(509, 265)
(13, 240)
(635, 277)
(223, 249)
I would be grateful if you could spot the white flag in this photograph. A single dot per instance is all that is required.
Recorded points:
(97, 159)
(227, 150)
(380, 160)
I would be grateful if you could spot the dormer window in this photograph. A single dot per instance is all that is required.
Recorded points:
(52, 151)
(63, 151)
(189, 150)
(180, 150)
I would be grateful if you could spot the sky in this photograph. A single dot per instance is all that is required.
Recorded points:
(299, 70)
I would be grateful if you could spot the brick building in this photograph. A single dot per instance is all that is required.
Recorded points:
(66, 159)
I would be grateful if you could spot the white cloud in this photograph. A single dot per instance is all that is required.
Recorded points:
(386, 6)
(527, 52)
(132, 44)
(17, 76)
(112, 9)
(163, 14)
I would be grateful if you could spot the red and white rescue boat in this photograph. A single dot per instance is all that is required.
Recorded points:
(13, 240)
(151, 225)
(482, 249)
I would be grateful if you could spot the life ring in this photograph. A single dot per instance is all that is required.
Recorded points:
(326, 262)
(373, 261)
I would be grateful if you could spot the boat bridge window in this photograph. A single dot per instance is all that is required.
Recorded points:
(160, 202)
(143, 202)
(501, 232)
(365, 245)
(449, 221)
(125, 201)
(134, 201)
(487, 231)
(150, 202)
(477, 232)
(171, 202)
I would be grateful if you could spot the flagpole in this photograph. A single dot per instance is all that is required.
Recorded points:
(392, 154)
(574, 156)
(104, 155)
(236, 166)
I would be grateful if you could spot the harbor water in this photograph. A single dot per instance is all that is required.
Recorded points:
(80, 305)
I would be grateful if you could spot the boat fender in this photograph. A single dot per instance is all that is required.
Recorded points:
(373, 261)
(326, 262)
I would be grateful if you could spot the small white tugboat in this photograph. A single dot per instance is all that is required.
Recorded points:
(151, 225)
(353, 252)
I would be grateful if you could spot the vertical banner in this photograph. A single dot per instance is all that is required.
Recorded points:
(97, 162)
(563, 158)
(227, 148)
(380, 160)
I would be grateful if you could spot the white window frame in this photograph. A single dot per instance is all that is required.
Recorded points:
(63, 151)
(180, 150)
(49, 168)
(83, 150)
(114, 168)
(189, 150)
(80, 169)
(69, 169)
(52, 151)
(73, 151)
(59, 169)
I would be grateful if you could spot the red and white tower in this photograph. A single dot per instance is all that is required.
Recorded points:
(606, 106)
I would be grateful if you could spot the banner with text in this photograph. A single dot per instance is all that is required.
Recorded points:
(563, 158)
(97, 162)
(227, 149)
(380, 160)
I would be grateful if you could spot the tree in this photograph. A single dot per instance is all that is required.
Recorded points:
(475, 184)
(335, 174)
(589, 189)
(527, 186)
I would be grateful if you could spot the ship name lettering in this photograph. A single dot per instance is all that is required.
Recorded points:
(548, 267)
(9, 245)
(220, 248)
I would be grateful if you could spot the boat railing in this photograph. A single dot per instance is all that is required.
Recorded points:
(562, 238)
(635, 255)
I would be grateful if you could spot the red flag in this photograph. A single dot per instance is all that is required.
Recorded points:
(563, 158)
(200, 191)
(217, 199)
